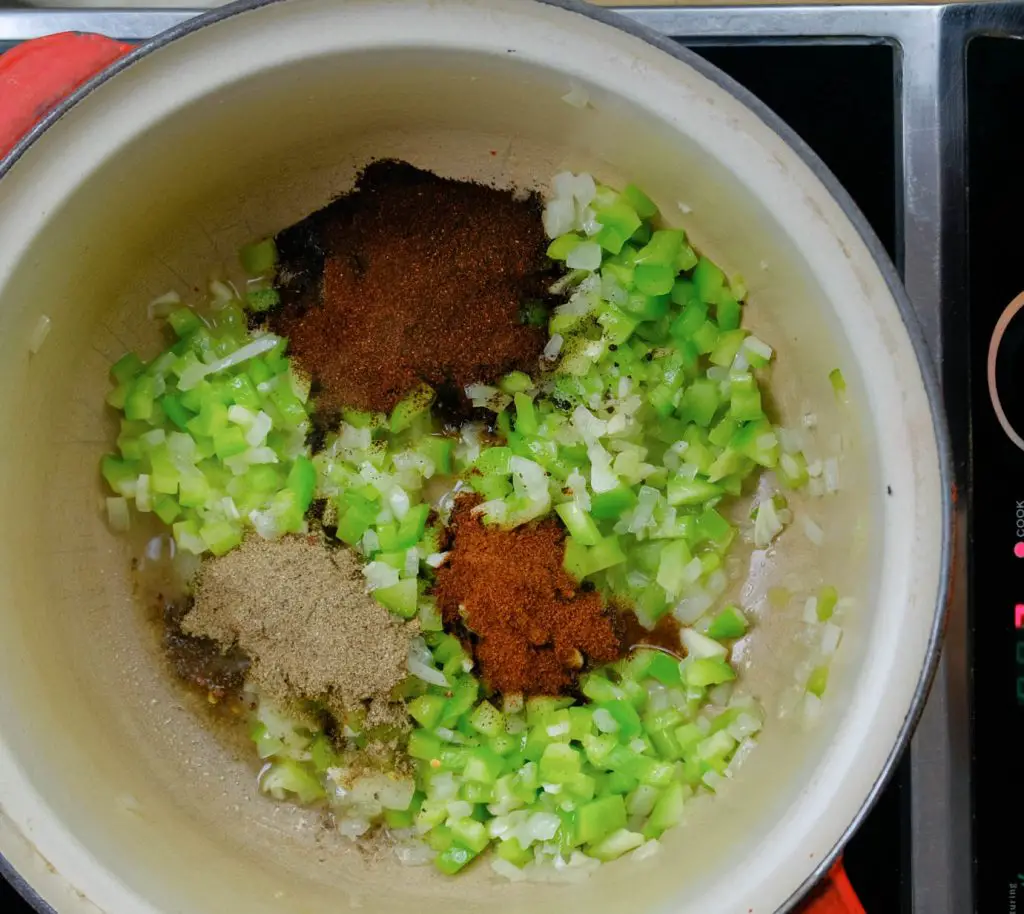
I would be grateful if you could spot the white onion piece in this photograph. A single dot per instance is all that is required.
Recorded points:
(701, 646)
(163, 305)
(758, 347)
(811, 611)
(766, 524)
(812, 531)
(585, 256)
(553, 347)
(812, 708)
(40, 332)
(426, 673)
(416, 853)
(559, 217)
(117, 514)
(259, 429)
(353, 828)
(831, 635)
(831, 475)
(577, 96)
(192, 375)
(379, 574)
(645, 850)
(692, 607)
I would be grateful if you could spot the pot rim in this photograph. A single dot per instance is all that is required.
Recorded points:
(926, 359)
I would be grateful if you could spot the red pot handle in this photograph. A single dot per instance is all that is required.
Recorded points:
(36, 75)
(833, 895)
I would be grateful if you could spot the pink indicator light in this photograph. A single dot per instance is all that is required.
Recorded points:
(1018, 615)
(1018, 550)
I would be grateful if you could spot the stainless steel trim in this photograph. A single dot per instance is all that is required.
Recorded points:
(931, 46)
(21, 25)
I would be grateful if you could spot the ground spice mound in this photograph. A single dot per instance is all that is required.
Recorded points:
(413, 278)
(534, 629)
(301, 614)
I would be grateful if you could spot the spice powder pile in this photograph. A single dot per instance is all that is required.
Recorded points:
(534, 627)
(412, 278)
(302, 616)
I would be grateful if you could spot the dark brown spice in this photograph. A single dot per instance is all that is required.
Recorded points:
(202, 662)
(533, 627)
(664, 635)
(413, 278)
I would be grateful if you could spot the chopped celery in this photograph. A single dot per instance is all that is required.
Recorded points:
(641, 203)
(453, 858)
(580, 525)
(818, 680)
(728, 624)
(259, 258)
(828, 597)
(611, 504)
(707, 671)
(708, 280)
(599, 818)
(400, 598)
(837, 380)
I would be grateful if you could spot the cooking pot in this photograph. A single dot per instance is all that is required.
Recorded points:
(116, 795)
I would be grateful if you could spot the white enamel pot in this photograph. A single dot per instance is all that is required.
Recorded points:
(115, 796)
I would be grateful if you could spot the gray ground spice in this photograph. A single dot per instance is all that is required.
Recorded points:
(301, 613)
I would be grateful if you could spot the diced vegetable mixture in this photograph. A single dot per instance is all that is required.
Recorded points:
(643, 422)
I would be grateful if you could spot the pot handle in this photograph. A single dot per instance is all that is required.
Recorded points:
(36, 75)
(833, 895)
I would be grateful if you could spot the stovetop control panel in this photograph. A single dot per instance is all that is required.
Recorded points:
(995, 80)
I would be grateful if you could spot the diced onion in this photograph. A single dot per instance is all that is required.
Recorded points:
(587, 424)
(353, 827)
(766, 524)
(831, 635)
(813, 532)
(426, 673)
(553, 347)
(163, 305)
(586, 256)
(811, 610)
(602, 479)
(577, 96)
(831, 475)
(812, 708)
(193, 374)
(416, 853)
(758, 347)
(40, 332)
(379, 574)
(117, 514)
(604, 721)
(645, 850)
(692, 607)
(259, 429)
(701, 646)
(559, 217)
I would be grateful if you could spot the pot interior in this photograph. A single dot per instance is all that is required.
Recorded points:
(115, 790)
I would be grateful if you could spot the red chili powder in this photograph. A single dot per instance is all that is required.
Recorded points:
(412, 278)
(533, 628)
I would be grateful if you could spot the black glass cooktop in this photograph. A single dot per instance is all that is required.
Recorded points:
(995, 72)
(841, 100)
